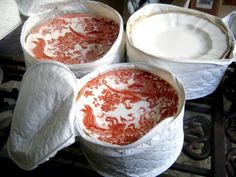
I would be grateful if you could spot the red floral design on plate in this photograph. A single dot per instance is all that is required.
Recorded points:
(72, 38)
(121, 106)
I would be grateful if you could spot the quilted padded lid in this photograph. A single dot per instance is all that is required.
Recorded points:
(43, 119)
(30, 7)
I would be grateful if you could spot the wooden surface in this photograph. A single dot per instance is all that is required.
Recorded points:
(215, 8)
(230, 2)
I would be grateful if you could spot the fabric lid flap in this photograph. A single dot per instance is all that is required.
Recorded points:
(43, 119)
(32, 7)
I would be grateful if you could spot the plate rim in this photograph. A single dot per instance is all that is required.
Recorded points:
(201, 15)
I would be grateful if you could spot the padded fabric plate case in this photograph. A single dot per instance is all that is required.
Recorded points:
(199, 77)
(42, 121)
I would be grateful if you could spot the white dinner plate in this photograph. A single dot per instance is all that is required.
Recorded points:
(179, 35)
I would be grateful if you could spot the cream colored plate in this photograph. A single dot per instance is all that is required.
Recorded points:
(178, 35)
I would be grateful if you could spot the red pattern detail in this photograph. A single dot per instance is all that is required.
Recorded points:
(39, 49)
(159, 98)
(98, 36)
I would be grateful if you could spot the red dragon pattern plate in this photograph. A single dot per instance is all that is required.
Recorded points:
(121, 106)
(72, 38)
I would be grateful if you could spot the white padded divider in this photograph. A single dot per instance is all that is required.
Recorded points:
(43, 118)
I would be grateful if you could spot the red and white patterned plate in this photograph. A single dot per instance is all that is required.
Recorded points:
(72, 38)
(121, 106)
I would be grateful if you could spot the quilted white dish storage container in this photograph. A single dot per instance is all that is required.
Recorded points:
(128, 117)
(194, 46)
(82, 35)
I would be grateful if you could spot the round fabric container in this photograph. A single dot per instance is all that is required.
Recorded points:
(114, 96)
(51, 11)
(194, 46)
(137, 109)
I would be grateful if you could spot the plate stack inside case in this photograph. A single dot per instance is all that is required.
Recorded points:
(194, 46)
(65, 46)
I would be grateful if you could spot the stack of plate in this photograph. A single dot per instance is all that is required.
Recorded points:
(113, 103)
(128, 118)
(195, 46)
(44, 32)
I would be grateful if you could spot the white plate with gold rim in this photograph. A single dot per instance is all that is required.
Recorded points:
(179, 35)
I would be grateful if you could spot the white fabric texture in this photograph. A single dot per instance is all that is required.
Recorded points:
(28, 7)
(115, 53)
(148, 159)
(152, 154)
(42, 121)
(45, 121)
(9, 17)
(230, 21)
(199, 77)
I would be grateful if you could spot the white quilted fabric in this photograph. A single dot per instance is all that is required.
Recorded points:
(152, 154)
(150, 158)
(199, 77)
(42, 122)
(28, 7)
(114, 55)
(230, 21)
